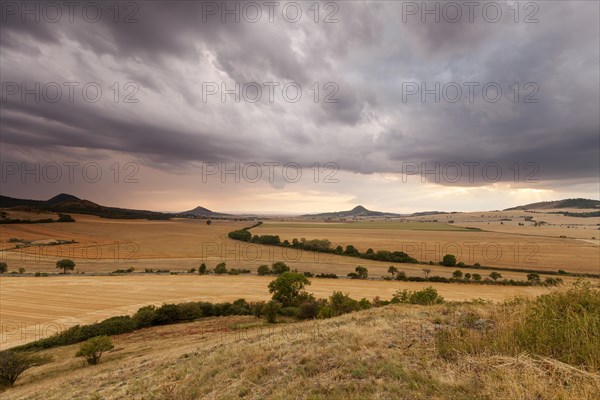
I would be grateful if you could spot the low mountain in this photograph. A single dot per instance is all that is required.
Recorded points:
(566, 203)
(61, 198)
(204, 212)
(358, 211)
(66, 203)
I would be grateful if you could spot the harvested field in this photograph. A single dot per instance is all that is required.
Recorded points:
(31, 306)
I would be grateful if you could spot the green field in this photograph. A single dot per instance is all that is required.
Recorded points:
(402, 226)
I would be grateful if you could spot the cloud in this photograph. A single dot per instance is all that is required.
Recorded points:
(369, 54)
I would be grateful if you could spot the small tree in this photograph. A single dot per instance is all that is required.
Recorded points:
(457, 274)
(202, 269)
(65, 264)
(392, 270)
(263, 270)
(476, 277)
(13, 364)
(221, 268)
(208, 222)
(449, 260)
(288, 288)
(426, 271)
(93, 349)
(3, 267)
(361, 272)
(468, 276)
(270, 311)
(495, 276)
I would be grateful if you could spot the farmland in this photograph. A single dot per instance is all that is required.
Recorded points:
(104, 245)
(43, 304)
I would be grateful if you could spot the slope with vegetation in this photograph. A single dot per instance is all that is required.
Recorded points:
(419, 347)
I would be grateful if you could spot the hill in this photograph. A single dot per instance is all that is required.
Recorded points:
(393, 352)
(66, 203)
(356, 212)
(557, 204)
(205, 213)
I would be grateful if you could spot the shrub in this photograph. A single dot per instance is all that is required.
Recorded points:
(166, 314)
(93, 349)
(3, 267)
(293, 312)
(144, 316)
(13, 364)
(263, 270)
(360, 272)
(342, 303)
(401, 276)
(457, 274)
(427, 296)
(279, 268)
(309, 309)
(328, 276)
(476, 277)
(449, 260)
(21, 270)
(202, 269)
(221, 268)
(495, 276)
(533, 278)
(270, 311)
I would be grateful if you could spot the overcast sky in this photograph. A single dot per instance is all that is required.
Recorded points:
(342, 104)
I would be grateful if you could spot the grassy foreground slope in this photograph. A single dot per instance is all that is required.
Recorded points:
(447, 351)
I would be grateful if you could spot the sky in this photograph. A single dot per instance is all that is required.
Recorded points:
(300, 107)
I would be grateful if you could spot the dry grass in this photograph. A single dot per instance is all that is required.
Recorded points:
(378, 354)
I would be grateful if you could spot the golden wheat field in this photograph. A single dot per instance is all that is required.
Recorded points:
(104, 245)
(35, 307)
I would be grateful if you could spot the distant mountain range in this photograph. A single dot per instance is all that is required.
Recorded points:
(67, 203)
(358, 211)
(566, 203)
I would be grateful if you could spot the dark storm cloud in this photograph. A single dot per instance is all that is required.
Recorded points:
(369, 54)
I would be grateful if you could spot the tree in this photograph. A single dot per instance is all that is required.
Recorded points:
(13, 364)
(208, 222)
(449, 260)
(263, 270)
(351, 251)
(457, 274)
(279, 268)
(476, 277)
(221, 268)
(495, 276)
(65, 264)
(361, 272)
(202, 269)
(426, 271)
(270, 311)
(288, 288)
(3, 267)
(392, 270)
(93, 349)
(468, 276)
